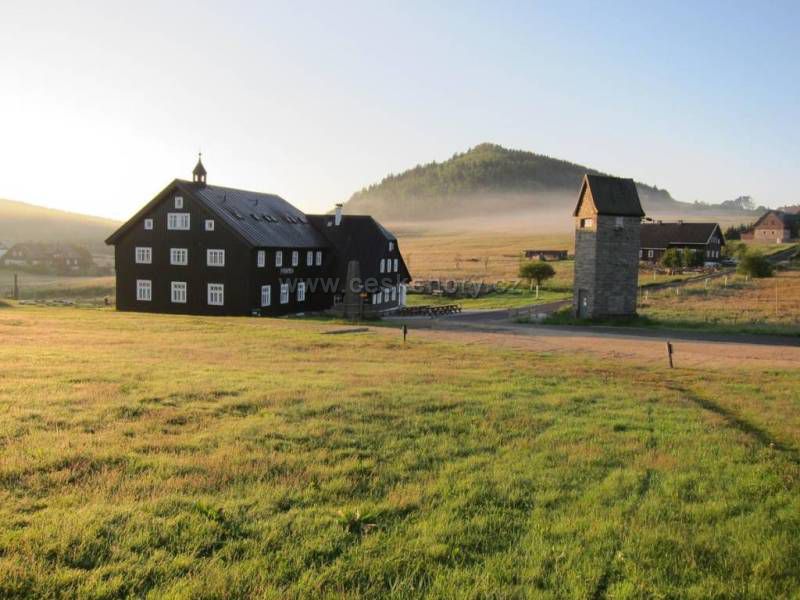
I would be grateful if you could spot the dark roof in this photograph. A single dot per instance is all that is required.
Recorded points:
(612, 196)
(260, 220)
(664, 235)
(361, 238)
(199, 169)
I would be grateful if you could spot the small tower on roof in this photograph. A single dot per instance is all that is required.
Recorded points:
(608, 220)
(199, 173)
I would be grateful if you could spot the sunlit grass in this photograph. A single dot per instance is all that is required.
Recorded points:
(199, 457)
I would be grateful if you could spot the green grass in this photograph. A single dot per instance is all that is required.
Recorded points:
(186, 457)
(512, 298)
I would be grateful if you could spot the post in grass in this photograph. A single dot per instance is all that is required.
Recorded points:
(669, 354)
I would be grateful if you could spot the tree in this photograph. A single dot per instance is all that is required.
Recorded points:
(755, 264)
(537, 271)
(672, 259)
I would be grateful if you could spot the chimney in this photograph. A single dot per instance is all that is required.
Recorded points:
(337, 220)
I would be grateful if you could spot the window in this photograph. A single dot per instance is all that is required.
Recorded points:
(391, 246)
(209, 224)
(619, 222)
(279, 258)
(178, 221)
(178, 292)
(319, 257)
(266, 295)
(301, 291)
(586, 223)
(216, 294)
(215, 258)
(178, 201)
(641, 252)
(386, 295)
(649, 254)
(178, 256)
(144, 255)
(284, 293)
(295, 258)
(395, 265)
(383, 265)
(309, 258)
(144, 290)
(148, 224)
(261, 259)
(375, 298)
(394, 293)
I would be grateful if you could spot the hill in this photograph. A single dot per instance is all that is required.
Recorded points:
(486, 180)
(22, 222)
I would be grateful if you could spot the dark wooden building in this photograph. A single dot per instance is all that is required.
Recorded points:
(658, 237)
(202, 249)
(57, 258)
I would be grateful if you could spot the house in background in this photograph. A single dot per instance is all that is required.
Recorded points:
(656, 238)
(202, 249)
(546, 254)
(608, 217)
(774, 226)
(3, 250)
(58, 258)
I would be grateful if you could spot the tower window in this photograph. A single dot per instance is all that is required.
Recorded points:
(587, 223)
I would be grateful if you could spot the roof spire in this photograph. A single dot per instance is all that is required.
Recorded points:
(199, 173)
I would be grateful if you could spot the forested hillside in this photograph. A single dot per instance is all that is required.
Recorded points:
(486, 179)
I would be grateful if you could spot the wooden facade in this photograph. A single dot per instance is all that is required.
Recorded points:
(200, 249)
(704, 238)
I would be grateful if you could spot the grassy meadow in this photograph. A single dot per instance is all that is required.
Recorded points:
(187, 457)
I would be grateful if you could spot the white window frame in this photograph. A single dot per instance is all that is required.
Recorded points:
(216, 294)
(209, 224)
(279, 258)
(383, 265)
(319, 258)
(148, 224)
(178, 292)
(391, 246)
(396, 263)
(587, 223)
(144, 255)
(266, 295)
(295, 258)
(284, 293)
(179, 221)
(310, 258)
(179, 256)
(394, 294)
(215, 257)
(649, 254)
(179, 202)
(375, 298)
(261, 258)
(144, 290)
(301, 291)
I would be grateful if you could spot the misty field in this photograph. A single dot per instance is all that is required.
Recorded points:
(188, 457)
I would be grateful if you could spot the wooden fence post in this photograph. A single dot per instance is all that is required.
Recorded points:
(16, 286)
(669, 354)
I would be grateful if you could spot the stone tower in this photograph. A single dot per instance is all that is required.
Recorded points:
(607, 223)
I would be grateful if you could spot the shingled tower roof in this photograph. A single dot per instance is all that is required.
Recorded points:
(611, 196)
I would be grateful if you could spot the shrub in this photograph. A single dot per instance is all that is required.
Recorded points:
(755, 264)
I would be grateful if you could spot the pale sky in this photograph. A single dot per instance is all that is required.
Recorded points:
(103, 103)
